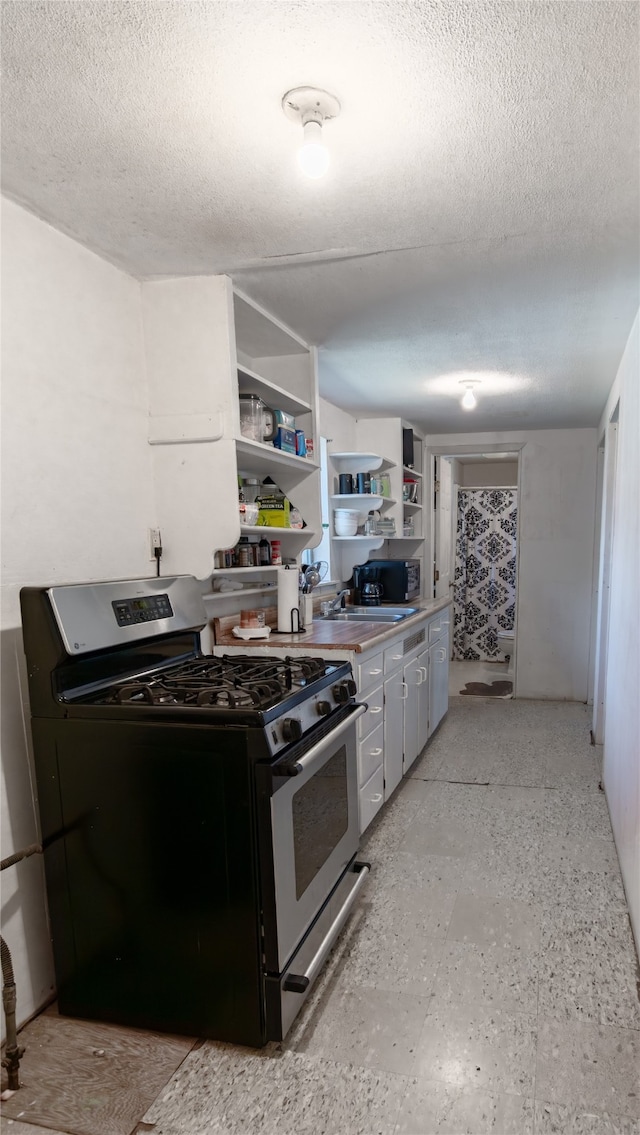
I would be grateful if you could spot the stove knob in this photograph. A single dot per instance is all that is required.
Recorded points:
(291, 729)
(344, 692)
(324, 707)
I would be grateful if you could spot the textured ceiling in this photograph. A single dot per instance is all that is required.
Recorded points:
(480, 216)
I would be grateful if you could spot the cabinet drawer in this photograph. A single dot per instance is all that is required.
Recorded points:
(371, 798)
(438, 626)
(393, 657)
(374, 714)
(370, 754)
(369, 673)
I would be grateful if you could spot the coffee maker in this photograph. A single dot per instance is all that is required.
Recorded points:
(368, 590)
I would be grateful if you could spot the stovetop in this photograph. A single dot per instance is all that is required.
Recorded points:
(284, 698)
(241, 682)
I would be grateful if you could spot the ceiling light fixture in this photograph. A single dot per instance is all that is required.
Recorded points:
(311, 107)
(469, 400)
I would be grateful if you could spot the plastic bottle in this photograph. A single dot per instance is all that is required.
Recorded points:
(245, 555)
(276, 553)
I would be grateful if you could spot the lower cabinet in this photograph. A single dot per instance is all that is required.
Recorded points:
(403, 710)
(438, 681)
(416, 707)
(394, 688)
(371, 798)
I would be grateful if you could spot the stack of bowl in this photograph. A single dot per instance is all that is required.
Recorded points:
(346, 521)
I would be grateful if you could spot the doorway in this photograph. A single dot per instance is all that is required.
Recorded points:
(475, 561)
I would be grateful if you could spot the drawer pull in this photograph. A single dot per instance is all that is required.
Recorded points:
(378, 671)
(405, 691)
(423, 670)
(376, 799)
(376, 709)
(374, 752)
(395, 657)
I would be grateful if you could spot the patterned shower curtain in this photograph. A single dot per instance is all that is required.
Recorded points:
(484, 596)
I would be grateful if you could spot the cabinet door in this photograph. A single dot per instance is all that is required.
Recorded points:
(438, 682)
(413, 680)
(394, 692)
(423, 698)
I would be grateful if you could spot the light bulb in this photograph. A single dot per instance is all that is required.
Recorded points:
(469, 401)
(313, 155)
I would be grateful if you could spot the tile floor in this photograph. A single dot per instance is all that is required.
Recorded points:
(487, 983)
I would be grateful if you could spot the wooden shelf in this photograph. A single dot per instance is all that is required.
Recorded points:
(258, 459)
(266, 589)
(269, 530)
(359, 462)
(355, 498)
(251, 383)
(244, 571)
(375, 541)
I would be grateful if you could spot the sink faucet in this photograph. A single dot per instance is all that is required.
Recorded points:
(338, 602)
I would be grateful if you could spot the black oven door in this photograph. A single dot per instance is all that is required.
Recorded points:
(314, 828)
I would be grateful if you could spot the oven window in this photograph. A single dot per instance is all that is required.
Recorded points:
(320, 818)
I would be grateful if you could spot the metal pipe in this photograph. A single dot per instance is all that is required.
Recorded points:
(13, 1052)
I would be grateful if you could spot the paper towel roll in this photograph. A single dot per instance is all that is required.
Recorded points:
(288, 612)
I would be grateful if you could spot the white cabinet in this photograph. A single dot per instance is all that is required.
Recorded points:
(416, 706)
(394, 694)
(370, 733)
(385, 436)
(205, 344)
(371, 798)
(438, 680)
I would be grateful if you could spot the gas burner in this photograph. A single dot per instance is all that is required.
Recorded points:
(238, 682)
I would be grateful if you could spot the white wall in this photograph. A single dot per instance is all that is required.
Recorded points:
(622, 704)
(488, 473)
(77, 496)
(556, 530)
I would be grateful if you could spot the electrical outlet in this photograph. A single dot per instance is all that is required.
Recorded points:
(155, 541)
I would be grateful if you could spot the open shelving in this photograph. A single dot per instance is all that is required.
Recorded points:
(251, 383)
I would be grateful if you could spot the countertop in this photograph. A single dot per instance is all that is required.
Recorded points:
(326, 634)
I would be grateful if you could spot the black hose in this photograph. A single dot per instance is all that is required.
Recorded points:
(13, 1053)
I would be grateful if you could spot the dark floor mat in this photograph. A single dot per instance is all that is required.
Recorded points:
(488, 689)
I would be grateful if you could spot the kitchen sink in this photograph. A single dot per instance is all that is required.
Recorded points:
(371, 614)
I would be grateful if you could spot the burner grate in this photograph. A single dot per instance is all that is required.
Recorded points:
(239, 682)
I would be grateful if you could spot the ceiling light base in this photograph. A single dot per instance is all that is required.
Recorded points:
(310, 104)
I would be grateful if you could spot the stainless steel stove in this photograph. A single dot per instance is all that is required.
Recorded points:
(199, 814)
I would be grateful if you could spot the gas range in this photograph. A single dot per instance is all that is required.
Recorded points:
(286, 697)
(199, 815)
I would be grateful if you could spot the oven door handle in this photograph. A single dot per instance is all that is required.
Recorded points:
(300, 982)
(310, 757)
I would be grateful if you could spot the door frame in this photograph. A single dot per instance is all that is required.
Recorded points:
(609, 443)
(469, 450)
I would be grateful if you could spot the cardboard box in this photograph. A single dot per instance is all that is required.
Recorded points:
(274, 511)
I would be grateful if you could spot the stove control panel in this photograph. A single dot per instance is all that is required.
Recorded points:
(141, 609)
(309, 714)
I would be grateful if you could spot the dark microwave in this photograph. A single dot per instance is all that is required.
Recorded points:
(400, 579)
